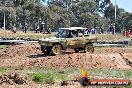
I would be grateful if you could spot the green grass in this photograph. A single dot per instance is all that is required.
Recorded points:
(69, 73)
(3, 46)
(107, 73)
(50, 76)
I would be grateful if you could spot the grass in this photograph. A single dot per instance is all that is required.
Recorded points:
(107, 73)
(3, 46)
(29, 34)
(33, 35)
(50, 76)
(47, 76)
(110, 37)
(69, 73)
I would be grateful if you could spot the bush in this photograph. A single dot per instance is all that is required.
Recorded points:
(48, 78)
(38, 77)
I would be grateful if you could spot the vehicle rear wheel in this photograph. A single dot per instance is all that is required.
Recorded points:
(89, 48)
(56, 49)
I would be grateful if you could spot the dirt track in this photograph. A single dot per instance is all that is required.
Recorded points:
(30, 55)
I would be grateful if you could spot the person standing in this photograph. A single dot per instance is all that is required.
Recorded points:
(42, 26)
(128, 33)
(37, 27)
(25, 27)
(14, 28)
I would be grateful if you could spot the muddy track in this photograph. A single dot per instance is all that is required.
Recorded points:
(128, 60)
(29, 55)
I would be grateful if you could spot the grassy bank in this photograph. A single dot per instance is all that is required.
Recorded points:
(50, 76)
(69, 73)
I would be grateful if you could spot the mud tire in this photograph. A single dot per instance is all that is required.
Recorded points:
(56, 49)
(89, 48)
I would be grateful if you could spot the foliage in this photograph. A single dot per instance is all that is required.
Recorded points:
(128, 21)
(48, 78)
(63, 13)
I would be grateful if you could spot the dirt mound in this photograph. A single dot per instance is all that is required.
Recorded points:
(112, 50)
(11, 79)
(17, 55)
(79, 60)
(18, 50)
(30, 55)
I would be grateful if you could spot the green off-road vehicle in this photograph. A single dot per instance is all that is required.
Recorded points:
(68, 38)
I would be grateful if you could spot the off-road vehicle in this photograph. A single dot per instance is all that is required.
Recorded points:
(72, 38)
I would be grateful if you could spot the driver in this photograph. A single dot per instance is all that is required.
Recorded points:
(74, 33)
(69, 34)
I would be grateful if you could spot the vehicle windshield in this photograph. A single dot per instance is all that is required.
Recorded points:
(61, 34)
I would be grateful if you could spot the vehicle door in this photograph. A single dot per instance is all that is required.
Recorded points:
(72, 42)
(80, 41)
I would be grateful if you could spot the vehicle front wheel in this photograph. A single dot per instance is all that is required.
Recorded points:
(89, 48)
(57, 49)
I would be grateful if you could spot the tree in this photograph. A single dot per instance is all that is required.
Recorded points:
(128, 21)
(109, 13)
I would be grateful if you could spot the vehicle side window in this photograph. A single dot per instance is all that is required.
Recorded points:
(64, 34)
(69, 35)
(61, 34)
(72, 34)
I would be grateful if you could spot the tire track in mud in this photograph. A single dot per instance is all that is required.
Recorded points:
(128, 61)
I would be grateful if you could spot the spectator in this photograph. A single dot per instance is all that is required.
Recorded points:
(25, 27)
(49, 30)
(124, 33)
(93, 31)
(37, 27)
(42, 26)
(14, 28)
(112, 29)
(128, 33)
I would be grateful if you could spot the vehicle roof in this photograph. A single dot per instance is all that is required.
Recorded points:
(73, 28)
